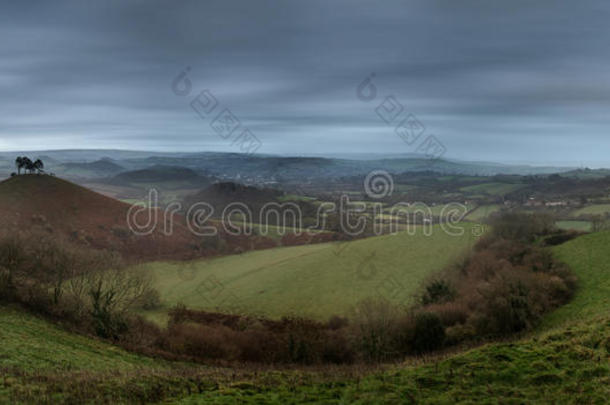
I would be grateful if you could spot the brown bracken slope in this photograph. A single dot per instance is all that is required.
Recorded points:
(49, 204)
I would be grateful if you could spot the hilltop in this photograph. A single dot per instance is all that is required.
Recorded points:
(82, 216)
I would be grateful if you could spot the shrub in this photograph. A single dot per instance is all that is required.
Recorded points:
(523, 227)
(508, 309)
(438, 291)
(504, 285)
(429, 333)
(374, 328)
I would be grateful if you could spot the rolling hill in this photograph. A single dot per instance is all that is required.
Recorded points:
(82, 216)
(317, 280)
(99, 168)
(181, 177)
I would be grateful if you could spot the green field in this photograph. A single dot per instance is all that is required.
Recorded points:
(23, 336)
(482, 212)
(596, 209)
(435, 210)
(589, 258)
(492, 188)
(312, 280)
(584, 226)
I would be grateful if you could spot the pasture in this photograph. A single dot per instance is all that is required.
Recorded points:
(588, 257)
(584, 226)
(596, 209)
(482, 212)
(317, 280)
(492, 188)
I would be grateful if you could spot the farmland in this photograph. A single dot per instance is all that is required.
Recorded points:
(492, 188)
(595, 209)
(482, 212)
(584, 226)
(313, 280)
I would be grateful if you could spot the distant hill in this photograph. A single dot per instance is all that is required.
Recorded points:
(262, 168)
(180, 176)
(82, 216)
(99, 168)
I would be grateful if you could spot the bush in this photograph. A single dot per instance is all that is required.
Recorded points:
(206, 335)
(438, 291)
(375, 329)
(504, 286)
(429, 333)
(522, 227)
(509, 310)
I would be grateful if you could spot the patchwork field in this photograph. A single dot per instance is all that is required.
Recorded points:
(317, 280)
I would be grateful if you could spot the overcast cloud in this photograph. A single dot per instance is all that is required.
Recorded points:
(503, 81)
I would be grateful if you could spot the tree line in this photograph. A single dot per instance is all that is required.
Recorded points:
(29, 166)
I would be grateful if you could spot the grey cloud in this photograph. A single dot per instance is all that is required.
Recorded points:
(515, 80)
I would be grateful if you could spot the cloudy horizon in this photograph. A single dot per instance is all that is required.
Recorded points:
(512, 82)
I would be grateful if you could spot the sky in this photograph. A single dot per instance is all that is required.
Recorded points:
(506, 81)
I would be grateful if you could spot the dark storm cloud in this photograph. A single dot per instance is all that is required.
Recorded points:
(516, 80)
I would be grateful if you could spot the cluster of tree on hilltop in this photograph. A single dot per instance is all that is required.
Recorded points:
(28, 166)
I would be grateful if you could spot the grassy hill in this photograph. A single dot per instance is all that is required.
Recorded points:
(312, 280)
(567, 361)
(82, 216)
(589, 258)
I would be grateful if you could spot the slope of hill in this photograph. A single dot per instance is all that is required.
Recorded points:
(83, 216)
(220, 195)
(317, 280)
(589, 258)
